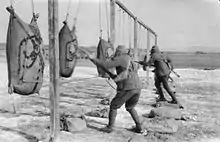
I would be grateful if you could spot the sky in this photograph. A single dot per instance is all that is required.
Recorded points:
(181, 25)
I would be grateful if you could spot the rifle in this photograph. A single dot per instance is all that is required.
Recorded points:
(170, 66)
(141, 63)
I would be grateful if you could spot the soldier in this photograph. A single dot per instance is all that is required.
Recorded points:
(170, 79)
(128, 90)
(162, 72)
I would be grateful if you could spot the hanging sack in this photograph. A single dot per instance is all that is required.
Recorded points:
(103, 55)
(24, 52)
(68, 47)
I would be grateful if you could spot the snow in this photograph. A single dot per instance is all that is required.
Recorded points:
(186, 75)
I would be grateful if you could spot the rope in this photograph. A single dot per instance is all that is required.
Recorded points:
(107, 20)
(45, 109)
(13, 104)
(123, 28)
(100, 19)
(32, 4)
(77, 13)
(116, 27)
(68, 10)
(129, 27)
(139, 36)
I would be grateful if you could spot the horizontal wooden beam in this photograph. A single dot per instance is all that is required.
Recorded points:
(123, 7)
(145, 26)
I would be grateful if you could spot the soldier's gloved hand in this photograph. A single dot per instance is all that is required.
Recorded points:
(113, 76)
(144, 68)
(142, 63)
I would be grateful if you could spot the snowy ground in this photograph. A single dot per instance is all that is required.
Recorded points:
(198, 90)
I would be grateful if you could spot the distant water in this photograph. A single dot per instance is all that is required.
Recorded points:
(195, 60)
(185, 60)
(180, 59)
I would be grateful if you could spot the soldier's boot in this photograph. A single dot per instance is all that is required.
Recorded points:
(160, 92)
(135, 117)
(161, 96)
(171, 93)
(111, 123)
(175, 101)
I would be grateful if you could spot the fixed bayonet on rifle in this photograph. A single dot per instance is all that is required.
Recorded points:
(175, 73)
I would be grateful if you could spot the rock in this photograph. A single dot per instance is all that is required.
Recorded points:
(161, 125)
(72, 124)
(11, 137)
(76, 124)
(165, 112)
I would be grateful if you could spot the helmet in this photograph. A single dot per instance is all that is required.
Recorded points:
(154, 49)
(121, 48)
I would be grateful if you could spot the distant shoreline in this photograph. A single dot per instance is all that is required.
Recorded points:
(181, 59)
(92, 48)
(172, 52)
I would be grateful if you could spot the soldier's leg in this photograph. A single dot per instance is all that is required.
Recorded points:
(130, 107)
(119, 99)
(164, 80)
(131, 103)
(111, 120)
(155, 78)
(172, 84)
(159, 88)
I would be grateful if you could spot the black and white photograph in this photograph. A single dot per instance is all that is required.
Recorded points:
(110, 71)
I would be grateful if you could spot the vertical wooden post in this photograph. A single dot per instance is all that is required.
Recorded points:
(148, 55)
(135, 42)
(54, 68)
(112, 23)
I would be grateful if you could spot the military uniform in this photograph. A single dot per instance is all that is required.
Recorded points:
(162, 72)
(128, 90)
